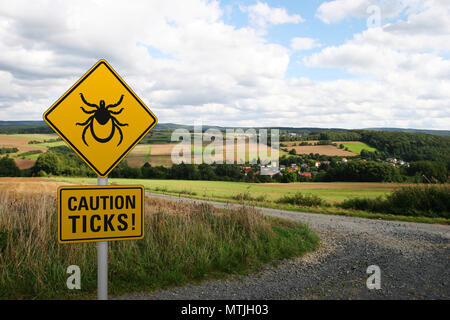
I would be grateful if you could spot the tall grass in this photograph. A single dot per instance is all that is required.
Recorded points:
(182, 243)
(422, 200)
(247, 196)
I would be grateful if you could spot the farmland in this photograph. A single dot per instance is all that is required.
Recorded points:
(328, 150)
(264, 195)
(25, 157)
(355, 146)
(225, 190)
(157, 154)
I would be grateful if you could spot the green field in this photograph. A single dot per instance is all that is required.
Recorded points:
(357, 147)
(21, 142)
(223, 190)
(331, 194)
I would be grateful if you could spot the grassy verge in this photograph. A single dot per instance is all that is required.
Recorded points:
(183, 243)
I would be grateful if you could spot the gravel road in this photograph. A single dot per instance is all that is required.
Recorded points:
(413, 259)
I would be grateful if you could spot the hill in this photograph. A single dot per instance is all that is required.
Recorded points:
(445, 133)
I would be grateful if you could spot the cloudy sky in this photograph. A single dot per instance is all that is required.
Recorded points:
(303, 63)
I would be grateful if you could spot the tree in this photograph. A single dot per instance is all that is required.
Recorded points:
(288, 177)
(429, 169)
(206, 172)
(8, 168)
(48, 162)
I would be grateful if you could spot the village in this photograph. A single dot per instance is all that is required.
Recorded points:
(309, 169)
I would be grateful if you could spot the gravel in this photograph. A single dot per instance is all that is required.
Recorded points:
(413, 259)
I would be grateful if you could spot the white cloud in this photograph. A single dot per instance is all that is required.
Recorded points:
(338, 10)
(207, 69)
(403, 60)
(262, 15)
(303, 43)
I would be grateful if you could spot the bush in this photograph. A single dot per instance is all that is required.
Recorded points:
(366, 204)
(300, 199)
(8, 168)
(247, 196)
(428, 200)
(425, 200)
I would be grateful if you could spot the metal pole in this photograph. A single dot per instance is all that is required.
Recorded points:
(102, 259)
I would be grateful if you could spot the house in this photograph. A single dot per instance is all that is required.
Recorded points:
(294, 166)
(270, 170)
(391, 160)
(317, 164)
(246, 169)
(344, 160)
(305, 174)
(282, 167)
(304, 165)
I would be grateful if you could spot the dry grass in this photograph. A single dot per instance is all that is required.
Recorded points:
(328, 150)
(182, 243)
(24, 163)
(21, 141)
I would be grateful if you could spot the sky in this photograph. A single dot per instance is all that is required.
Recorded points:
(303, 63)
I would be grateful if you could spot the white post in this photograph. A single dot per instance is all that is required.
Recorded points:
(102, 259)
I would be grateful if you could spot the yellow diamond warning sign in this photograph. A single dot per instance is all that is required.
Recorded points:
(100, 118)
(100, 213)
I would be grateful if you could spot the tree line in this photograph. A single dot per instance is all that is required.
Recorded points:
(61, 161)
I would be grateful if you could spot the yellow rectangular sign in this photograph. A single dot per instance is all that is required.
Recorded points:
(100, 213)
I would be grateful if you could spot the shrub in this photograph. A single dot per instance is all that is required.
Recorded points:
(424, 200)
(299, 199)
(427, 200)
(247, 196)
(8, 168)
(366, 204)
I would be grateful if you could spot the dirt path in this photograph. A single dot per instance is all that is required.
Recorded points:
(413, 259)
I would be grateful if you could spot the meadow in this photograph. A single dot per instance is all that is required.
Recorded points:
(328, 150)
(183, 243)
(356, 146)
(224, 190)
(330, 195)
(25, 157)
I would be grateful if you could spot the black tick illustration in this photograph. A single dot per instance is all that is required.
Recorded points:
(102, 114)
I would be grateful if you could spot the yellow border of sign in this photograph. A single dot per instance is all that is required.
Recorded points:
(91, 165)
(60, 189)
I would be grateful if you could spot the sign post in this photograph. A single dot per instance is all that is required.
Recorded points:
(102, 259)
(102, 120)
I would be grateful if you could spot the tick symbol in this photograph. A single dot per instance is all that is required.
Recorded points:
(102, 114)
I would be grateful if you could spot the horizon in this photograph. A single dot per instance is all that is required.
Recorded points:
(262, 127)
